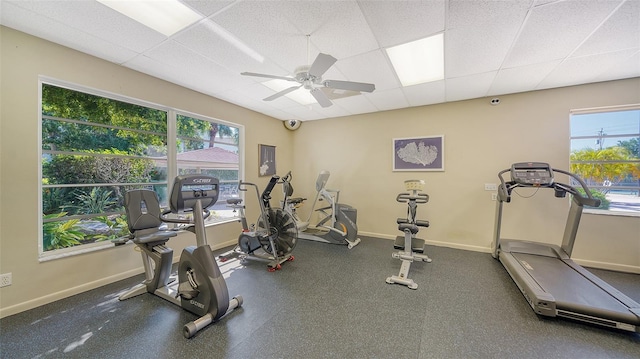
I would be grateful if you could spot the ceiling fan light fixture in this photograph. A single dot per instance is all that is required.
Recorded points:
(419, 61)
(165, 16)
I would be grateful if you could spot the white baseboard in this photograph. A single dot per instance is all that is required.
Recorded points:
(465, 247)
(608, 266)
(585, 263)
(49, 298)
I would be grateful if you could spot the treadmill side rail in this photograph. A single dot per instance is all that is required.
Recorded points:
(540, 301)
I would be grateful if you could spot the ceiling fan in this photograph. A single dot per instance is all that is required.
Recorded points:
(310, 77)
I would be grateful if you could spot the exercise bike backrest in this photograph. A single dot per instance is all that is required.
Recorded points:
(413, 199)
(540, 175)
(142, 208)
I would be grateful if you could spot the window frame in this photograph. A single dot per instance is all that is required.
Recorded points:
(172, 166)
(600, 110)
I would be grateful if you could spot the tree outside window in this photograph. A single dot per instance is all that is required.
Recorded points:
(95, 148)
(605, 152)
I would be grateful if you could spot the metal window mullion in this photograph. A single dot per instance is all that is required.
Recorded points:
(81, 216)
(605, 161)
(95, 154)
(71, 185)
(172, 148)
(96, 124)
(604, 136)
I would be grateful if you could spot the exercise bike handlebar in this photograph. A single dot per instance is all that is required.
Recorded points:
(164, 218)
(419, 198)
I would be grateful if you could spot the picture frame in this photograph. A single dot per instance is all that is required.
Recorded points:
(424, 153)
(266, 160)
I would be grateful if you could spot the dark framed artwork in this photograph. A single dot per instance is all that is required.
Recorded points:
(418, 153)
(267, 160)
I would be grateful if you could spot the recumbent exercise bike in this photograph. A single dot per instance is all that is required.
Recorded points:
(200, 287)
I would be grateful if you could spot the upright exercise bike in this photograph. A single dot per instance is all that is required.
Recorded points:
(337, 224)
(200, 287)
(274, 237)
(410, 247)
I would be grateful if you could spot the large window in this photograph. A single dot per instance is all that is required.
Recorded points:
(605, 152)
(96, 147)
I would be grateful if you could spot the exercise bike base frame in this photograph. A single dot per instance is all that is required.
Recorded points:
(407, 257)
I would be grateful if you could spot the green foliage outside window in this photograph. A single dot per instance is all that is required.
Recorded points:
(94, 149)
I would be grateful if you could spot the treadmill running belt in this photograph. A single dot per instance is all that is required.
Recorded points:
(570, 289)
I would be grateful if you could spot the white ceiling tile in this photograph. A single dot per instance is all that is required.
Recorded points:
(626, 69)
(203, 39)
(571, 71)
(397, 22)
(385, 100)
(468, 87)
(425, 94)
(208, 7)
(304, 113)
(44, 27)
(377, 70)
(97, 20)
(621, 31)
(553, 31)
(337, 28)
(355, 104)
(521, 78)
(480, 34)
(267, 30)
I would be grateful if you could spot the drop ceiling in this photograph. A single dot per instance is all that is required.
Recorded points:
(491, 47)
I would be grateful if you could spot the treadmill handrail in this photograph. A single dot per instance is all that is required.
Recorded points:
(505, 188)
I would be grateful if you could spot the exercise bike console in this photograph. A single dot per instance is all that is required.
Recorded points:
(189, 190)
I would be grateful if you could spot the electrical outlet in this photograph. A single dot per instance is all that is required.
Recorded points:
(5, 279)
(490, 187)
(494, 196)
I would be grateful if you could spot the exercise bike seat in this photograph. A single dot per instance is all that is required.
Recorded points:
(418, 223)
(143, 217)
(234, 201)
(417, 244)
(296, 200)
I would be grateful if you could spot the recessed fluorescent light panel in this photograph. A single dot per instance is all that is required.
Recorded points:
(301, 95)
(165, 16)
(230, 38)
(419, 61)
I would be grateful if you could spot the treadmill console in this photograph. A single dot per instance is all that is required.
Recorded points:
(532, 174)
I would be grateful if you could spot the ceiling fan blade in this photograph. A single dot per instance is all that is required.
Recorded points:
(320, 96)
(282, 93)
(348, 85)
(268, 76)
(321, 64)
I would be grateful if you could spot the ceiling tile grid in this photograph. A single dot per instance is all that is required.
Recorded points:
(491, 47)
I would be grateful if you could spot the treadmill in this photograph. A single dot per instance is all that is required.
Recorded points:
(552, 283)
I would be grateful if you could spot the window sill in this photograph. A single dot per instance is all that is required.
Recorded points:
(98, 246)
(606, 212)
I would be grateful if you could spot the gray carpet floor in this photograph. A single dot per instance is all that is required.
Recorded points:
(330, 302)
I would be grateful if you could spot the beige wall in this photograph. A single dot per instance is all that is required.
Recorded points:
(479, 141)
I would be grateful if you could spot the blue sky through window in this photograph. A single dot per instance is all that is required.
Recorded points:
(609, 123)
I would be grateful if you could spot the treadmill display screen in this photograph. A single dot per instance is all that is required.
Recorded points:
(532, 173)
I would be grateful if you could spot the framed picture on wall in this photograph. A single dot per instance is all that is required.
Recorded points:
(267, 158)
(418, 153)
